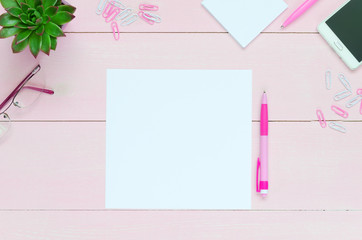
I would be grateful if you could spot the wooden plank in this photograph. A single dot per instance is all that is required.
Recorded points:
(190, 16)
(164, 225)
(289, 67)
(55, 165)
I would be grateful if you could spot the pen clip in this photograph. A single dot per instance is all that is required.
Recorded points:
(257, 176)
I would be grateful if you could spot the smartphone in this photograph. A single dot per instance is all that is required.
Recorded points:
(343, 32)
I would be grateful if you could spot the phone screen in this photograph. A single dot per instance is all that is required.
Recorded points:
(347, 25)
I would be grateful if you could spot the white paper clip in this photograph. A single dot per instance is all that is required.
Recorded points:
(337, 127)
(102, 4)
(119, 4)
(345, 82)
(129, 20)
(152, 17)
(125, 13)
(342, 95)
(329, 80)
(354, 101)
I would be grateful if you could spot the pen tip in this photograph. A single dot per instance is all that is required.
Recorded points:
(264, 92)
(282, 27)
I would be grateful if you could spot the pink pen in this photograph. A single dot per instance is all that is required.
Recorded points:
(262, 166)
(297, 13)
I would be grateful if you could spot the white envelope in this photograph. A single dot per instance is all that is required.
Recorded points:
(245, 19)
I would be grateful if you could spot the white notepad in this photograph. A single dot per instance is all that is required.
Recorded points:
(178, 139)
(245, 19)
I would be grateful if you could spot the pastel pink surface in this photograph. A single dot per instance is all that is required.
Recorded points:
(61, 166)
(54, 158)
(193, 225)
(83, 59)
(188, 16)
(58, 165)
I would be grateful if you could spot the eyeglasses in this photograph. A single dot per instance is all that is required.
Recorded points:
(26, 93)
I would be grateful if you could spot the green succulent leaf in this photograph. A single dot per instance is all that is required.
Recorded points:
(53, 43)
(14, 11)
(40, 30)
(32, 28)
(62, 18)
(51, 11)
(24, 6)
(22, 36)
(45, 43)
(39, 21)
(40, 9)
(67, 8)
(21, 25)
(20, 2)
(20, 46)
(48, 3)
(59, 2)
(9, 31)
(38, 3)
(30, 23)
(9, 3)
(31, 3)
(37, 14)
(6, 20)
(53, 30)
(23, 17)
(35, 44)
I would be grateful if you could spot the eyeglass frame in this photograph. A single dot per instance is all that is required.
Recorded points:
(21, 86)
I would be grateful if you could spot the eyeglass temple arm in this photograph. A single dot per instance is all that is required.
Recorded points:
(43, 90)
(16, 90)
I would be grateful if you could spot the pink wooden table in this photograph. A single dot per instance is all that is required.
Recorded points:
(52, 174)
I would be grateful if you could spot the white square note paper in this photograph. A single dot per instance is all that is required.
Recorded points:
(245, 19)
(178, 139)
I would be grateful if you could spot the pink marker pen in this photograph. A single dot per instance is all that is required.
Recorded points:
(297, 13)
(262, 166)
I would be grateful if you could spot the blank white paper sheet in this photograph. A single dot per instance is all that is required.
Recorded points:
(178, 139)
(245, 19)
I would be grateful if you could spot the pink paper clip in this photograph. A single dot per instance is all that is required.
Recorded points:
(339, 111)
(109, 9)
(359, 91)
(141, 14)
(148, 7)
(115, 29)
(322, 120)
(113, 15)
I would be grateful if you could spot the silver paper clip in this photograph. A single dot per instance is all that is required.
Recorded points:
(101, 6)
(119, 4)
(337, 127)
(354, 101)
(345, 82)
(342, 95)
(152, 17)
(129, 20)
(125, 13)
(329, 80)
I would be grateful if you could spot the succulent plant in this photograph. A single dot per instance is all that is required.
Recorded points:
(36, 23)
